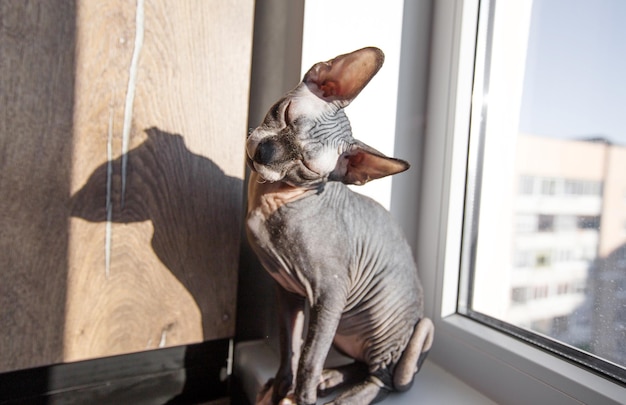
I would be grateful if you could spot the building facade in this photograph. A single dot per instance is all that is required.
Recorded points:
(568, 254)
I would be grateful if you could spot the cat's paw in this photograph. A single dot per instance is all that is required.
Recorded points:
(264, 396)
(288, 400)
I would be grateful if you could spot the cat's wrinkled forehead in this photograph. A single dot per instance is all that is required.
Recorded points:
(299, 110)
(303, 102)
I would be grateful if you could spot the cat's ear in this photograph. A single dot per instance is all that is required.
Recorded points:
(341, 79)
(364, 163)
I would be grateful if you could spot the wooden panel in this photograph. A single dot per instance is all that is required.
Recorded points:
(36, 99)
(164, 273)
(136, 204)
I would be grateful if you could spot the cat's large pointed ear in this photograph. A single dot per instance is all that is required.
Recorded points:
(363, 163)
(341, 79)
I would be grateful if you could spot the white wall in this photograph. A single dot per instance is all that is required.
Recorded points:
(333, 28)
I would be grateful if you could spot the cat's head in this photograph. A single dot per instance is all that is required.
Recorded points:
(306, 139)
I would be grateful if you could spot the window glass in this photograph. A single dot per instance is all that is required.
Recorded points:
(546, 209)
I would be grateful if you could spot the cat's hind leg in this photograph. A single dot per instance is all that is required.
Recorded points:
(414, 355)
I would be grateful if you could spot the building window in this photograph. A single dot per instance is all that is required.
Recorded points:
(582, 187)
(545, 223)
(573, 187)
(524, 258)
(543, 259)
(548, 186)
(565, 223)
(588, 222)
(525, 223)
(527, 185)
(519, 295)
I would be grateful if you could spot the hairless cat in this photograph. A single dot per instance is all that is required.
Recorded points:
(330, 248)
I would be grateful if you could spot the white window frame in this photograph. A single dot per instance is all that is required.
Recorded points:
(506, 369)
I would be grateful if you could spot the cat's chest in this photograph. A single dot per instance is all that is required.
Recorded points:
(267, 237)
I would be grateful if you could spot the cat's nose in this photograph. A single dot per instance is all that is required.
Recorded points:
(268, 151)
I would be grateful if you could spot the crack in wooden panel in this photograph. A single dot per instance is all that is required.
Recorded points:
(130, 92)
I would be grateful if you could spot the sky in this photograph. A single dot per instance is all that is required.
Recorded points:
(575, 83)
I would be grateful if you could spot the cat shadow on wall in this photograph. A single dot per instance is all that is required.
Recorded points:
(196, 214)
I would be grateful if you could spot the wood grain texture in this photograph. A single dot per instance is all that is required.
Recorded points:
(174, 238)
(159, 268)
(36, 98)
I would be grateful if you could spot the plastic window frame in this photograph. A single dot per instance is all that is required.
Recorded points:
(502, 367)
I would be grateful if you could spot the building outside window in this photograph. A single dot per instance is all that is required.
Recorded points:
(492, 166)
(544, 222)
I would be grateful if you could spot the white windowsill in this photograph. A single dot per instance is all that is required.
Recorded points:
(256, 362)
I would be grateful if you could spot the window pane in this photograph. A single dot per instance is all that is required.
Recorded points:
(546, 221)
